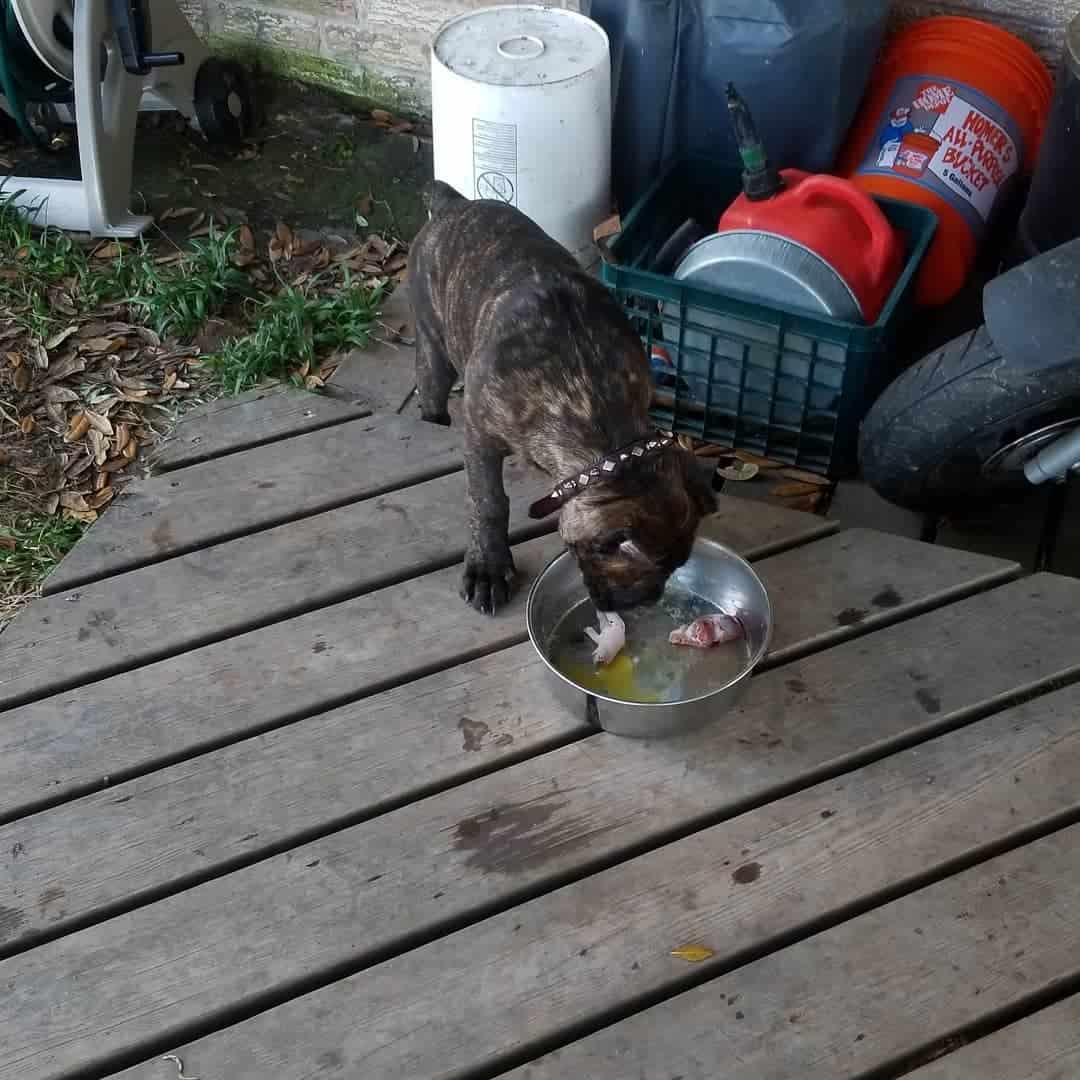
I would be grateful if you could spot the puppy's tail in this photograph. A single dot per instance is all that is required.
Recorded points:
(441, 197)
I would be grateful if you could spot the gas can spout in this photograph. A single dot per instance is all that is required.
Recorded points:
(759, 179)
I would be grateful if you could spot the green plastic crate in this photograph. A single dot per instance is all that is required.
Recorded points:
(781, 383)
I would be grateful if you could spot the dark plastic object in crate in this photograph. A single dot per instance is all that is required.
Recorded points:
(760, 377)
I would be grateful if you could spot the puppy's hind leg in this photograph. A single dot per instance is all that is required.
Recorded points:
(489, 577)
(435, 377)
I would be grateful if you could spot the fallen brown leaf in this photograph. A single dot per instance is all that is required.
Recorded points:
(58, 339)
(98, 422)
(70, 365)
(87, 516)
(60, 395)
(22, 379)
(111, 250)
(246, 238)
(791, 491)
(693, 953)
(27, 424)
(179, 212)
(7, 543)
(808, 503)
(804, 477)
(72, 500)
(97, 446)
(80, 425)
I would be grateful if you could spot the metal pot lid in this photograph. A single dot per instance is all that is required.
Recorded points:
(762, 267)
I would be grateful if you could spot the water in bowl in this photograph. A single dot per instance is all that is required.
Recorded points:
(649, 670)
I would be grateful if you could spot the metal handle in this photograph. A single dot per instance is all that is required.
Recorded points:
(132, 31)
(1056, 461)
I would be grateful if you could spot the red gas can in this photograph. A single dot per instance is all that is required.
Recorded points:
(835, 220)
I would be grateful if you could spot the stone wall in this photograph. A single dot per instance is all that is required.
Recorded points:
(379, 48)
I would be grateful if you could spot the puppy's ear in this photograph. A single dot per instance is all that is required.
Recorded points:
(699, 484)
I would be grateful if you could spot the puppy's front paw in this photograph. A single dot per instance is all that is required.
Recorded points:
(489, 580)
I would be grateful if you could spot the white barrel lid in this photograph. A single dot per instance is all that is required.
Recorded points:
(520, 45)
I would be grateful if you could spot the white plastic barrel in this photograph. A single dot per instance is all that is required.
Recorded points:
(521, 111)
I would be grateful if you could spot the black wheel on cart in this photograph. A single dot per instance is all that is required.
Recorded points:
(224, 102)
(953, 432)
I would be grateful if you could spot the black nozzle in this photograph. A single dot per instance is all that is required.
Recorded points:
(759, 179)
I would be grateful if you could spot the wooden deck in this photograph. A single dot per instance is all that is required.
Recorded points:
(273, 800)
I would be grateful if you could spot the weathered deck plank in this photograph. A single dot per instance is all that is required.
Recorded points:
(574, 957)
(1044, 1046)
(156, 612)
(206, 504)
(231, 424)
(145, 718)
(137, 822)
(166, 608)
(381, 887)
(317, 660)
(866, 993)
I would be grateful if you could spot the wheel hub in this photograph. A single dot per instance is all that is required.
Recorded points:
(1012, 457)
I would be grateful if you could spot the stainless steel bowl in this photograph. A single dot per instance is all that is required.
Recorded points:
(713, 572)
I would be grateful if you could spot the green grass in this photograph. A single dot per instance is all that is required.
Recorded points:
(174, 299)
(293, 328)
(290, 328)
(40, 543)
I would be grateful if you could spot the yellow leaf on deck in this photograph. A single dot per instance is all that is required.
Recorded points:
(693, 953)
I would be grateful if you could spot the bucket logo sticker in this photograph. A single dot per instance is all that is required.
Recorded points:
(950, 138)
(495, 161)
(975, 157)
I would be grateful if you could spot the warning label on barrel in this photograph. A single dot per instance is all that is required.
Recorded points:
(495, 164)
(951, 139)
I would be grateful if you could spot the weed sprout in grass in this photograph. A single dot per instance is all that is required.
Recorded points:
(293, 328)
(30, 546)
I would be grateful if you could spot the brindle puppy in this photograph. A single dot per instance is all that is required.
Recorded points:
(555, 375)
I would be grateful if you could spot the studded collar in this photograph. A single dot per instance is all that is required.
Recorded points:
(606, 468)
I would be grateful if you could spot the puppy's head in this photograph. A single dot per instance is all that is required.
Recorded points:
(630, 536)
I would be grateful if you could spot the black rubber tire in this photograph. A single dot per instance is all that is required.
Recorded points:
(924, 442)
(216, 80)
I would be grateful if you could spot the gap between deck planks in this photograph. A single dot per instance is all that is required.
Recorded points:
(544, 971)
(231, 424)
(63, 745)
(167, 515)
(1043, 1046)
(148, 614)
(358, 896)
(306, 777)
(868, 995)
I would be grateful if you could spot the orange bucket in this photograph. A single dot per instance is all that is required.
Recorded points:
(952, 121)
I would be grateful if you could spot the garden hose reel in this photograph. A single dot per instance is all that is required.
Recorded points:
(98, 63)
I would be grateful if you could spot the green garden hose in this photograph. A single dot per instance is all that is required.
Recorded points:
(24, 79)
